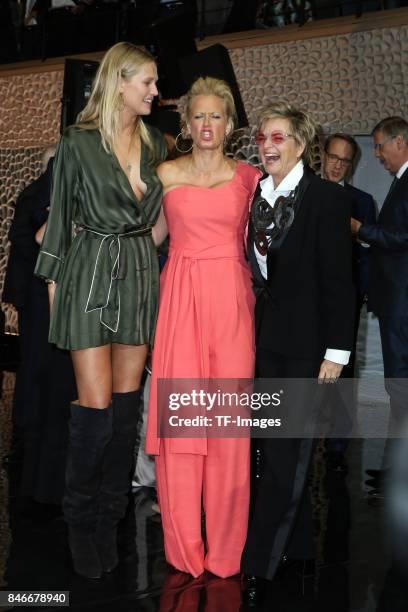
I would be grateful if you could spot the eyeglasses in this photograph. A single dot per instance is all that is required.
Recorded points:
(334, 159)
(276, 138)
(379, 145)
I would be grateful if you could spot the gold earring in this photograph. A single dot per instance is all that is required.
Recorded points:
(178, 148)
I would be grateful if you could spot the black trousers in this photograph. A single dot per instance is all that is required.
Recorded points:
(394, 343)
(45, 386)
(281, 514)
(342, 400)
(33, 322)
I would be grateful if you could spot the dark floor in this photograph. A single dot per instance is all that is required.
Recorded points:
(352, 571)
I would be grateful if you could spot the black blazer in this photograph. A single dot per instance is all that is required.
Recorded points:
(308, 304)
(388, 280)
(363, 209)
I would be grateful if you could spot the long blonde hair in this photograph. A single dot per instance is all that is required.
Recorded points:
(123, 60)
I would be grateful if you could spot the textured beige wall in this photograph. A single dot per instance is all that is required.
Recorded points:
(348, 82)
(30, 109)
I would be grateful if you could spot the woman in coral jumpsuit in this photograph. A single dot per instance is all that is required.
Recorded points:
(205, 330)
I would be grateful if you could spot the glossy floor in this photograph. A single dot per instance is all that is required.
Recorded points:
(352, 572)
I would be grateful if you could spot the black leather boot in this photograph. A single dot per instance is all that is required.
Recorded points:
(90, 430)
(117, 473)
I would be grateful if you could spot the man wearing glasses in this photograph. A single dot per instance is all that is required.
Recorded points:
(340, 151)
(388, 281)
(338, 157)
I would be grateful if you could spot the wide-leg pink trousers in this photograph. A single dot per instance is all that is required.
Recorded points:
(218, 483)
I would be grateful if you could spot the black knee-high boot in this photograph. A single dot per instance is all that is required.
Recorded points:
(117, 471)
(90, 431)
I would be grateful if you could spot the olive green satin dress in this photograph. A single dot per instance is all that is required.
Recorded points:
(107, 272)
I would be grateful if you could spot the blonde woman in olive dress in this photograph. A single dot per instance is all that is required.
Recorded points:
(103, 286)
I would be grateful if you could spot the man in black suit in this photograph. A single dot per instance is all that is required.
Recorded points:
(338, 157)
(26, 292)
(45, 383)
(388, 281)
(340, 151)
(299, 247)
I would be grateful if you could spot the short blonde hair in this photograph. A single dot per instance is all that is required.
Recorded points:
(303, 128)
(208, 86)
(121, 61)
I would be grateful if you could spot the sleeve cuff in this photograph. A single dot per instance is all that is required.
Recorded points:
(48, 266)
(337, 356)
(362, 234)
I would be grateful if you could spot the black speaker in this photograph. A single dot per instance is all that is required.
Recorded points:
(214, 62)
(8, 38)
(78, 79)
(165, 118)
(169, 38)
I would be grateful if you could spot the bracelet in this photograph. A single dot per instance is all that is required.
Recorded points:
(49, 281)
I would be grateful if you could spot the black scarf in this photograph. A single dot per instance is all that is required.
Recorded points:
(282, 215)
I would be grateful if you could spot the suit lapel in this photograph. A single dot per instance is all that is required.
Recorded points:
(276, 246)
(355, 212)
(393, 192)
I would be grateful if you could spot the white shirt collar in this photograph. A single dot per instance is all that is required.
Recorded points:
(402, 170)
(289, 183)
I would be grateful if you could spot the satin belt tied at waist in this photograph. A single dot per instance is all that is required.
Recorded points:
(219, 251)
(110, 266)
(182, 271)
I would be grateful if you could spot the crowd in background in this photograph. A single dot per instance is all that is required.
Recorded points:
(44, 28)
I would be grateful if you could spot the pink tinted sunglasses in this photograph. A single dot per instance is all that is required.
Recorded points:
(275, 137)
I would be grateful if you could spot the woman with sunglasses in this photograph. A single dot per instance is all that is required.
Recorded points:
(299, 247)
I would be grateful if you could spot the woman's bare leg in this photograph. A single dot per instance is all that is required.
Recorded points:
(93, 374)
(127, 366)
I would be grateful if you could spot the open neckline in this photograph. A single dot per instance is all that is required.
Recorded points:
(142, 151)
(190, 185)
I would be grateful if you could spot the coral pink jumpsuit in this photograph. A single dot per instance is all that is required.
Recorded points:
(205, 330)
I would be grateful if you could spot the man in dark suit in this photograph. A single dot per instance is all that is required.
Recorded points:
(45, 382)
(338, 157)
(26, 292)
(388, 280)
(299, 249)
(340, 151)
